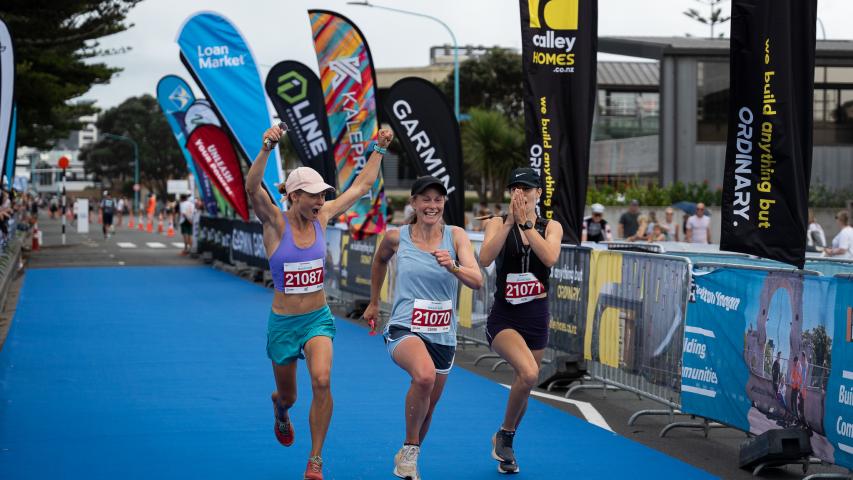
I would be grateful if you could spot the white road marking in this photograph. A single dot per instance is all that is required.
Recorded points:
(588, 411)
(155, 245)
(178, 244)
(126, 245)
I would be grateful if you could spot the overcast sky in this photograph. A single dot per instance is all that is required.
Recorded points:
(279, 30)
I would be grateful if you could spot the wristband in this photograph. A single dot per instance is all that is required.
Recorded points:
(376, 148)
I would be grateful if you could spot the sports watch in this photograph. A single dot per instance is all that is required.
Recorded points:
(456, 266)
(526, 225)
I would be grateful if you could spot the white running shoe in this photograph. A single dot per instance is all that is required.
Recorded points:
(406, 462)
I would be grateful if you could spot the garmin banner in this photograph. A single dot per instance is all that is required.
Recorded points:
(297, 95)
(7, 98)
(175, 98)
(346, 73)
(767, 350)
(769, 151)
(559, 54)
(212, 150)
(427, 129)
(247, 244)
(222, 65)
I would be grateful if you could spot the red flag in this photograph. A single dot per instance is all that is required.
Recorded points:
(211, 148)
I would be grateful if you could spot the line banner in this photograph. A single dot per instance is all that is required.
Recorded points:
(297, 95)
(220, 61)
(347, 76)
(769, 150)
(559, 50)
(211, 148)
(427, 129)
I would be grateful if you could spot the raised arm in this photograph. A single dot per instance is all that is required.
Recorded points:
(362, 182)
(387, 248)
(263, 205)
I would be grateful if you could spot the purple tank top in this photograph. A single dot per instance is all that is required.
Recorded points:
(299, 270)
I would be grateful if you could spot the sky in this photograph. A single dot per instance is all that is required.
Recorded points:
(279, 30)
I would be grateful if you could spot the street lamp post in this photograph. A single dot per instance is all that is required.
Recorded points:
(366, 3)
(135, 167)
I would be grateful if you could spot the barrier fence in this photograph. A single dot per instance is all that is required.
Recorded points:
(622, 312)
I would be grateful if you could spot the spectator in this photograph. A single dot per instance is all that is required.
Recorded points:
(815, 237)
(595, 227)
(669, 227)
(629, 221)
(699, 226)
(657, 234)
(842, 244)
(776, 371)
(498, 210)
(642, 228)
(482, 211)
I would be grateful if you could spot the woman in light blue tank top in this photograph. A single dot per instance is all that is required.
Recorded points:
(432, 259)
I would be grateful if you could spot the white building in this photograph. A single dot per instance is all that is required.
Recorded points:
(42, 167)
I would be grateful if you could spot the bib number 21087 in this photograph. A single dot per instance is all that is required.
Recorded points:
(303, 277)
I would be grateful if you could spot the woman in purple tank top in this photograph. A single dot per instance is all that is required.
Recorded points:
(300, 324)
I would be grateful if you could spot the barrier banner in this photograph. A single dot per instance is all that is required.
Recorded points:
(212, 150)
(7, 100)
(569, 290)
(426, 127)
(297, 95)
(348, 79)
(333, 260)
(760, 350)
(175, 98)
(221, 63)
(215, 236)
(247, 244)
(769, 150)
(356, 259)
(559, 45)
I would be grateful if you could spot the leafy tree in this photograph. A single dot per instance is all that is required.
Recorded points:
(492, 81)
(492, 145)
(55, 43)
(140, 119)
(715, 16)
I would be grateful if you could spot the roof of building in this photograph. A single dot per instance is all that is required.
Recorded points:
(628, 74)
(657, 47)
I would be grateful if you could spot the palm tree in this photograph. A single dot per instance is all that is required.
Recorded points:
(493, 146)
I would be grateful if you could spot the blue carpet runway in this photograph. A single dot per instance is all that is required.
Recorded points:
(162, 373)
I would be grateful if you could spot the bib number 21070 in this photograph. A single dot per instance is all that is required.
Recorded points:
(430, 316)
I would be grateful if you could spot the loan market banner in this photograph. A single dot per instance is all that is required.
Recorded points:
(297, 95)
(768, 350)
(175, 98)
(220, 61)
(347, 76)
(212, 150)
(7, 99)
(426, 127)
(769, 150)
(559, 41)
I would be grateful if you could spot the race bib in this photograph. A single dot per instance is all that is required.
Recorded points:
(303, 277)
(430, 316)
(522, 288)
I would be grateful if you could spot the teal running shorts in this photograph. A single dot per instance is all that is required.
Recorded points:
(287, 334)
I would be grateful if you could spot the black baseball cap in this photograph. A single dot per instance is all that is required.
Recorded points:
(524, 176)
(422, 183)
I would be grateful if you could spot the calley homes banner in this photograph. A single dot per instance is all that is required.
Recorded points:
(559, 54)
(769, 152)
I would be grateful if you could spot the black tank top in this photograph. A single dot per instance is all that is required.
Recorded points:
(516, 257)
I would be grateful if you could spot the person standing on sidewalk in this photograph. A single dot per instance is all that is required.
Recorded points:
(107, 207)
(187, 209)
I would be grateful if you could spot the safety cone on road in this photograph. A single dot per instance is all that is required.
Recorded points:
(160, 226)
(36, 237)
(150, 227)
(141, 224)
(130, 222)
(171, 231)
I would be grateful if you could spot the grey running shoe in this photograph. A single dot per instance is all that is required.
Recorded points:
(406, 462)
(503, 453)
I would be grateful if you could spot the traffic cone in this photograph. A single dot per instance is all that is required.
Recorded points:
(130, 222)
(160, 226)
(150, 227)
(36, 237)
(171, 231)
(141, 224)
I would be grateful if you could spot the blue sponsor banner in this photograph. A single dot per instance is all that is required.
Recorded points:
(839, 400)
(175, 98)
(222, 64)
(759, 351)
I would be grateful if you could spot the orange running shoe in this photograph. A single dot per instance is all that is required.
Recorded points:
(314, 470)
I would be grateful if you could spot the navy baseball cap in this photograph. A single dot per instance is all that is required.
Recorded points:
(524, 176)
(422, 183)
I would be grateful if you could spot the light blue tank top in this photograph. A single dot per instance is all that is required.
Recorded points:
(419, 277)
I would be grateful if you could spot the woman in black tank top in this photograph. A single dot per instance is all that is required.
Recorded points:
(524, 248)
